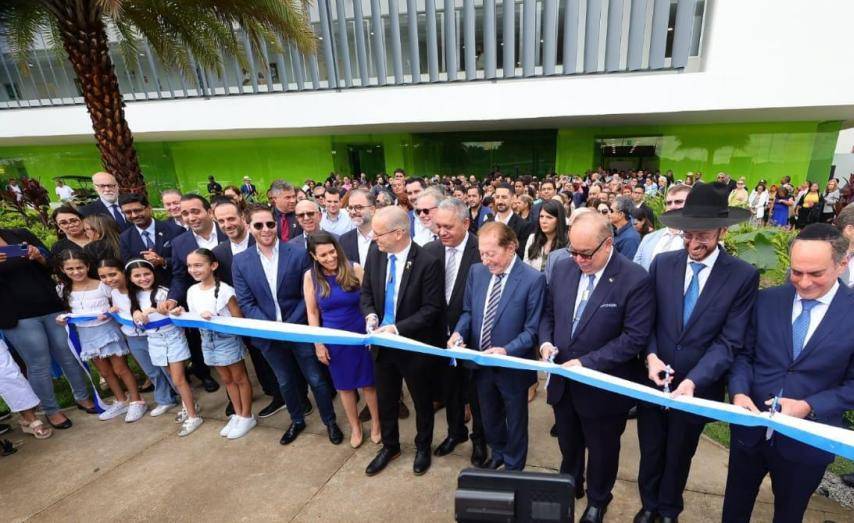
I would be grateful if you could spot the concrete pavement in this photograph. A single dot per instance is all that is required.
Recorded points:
(113, 471)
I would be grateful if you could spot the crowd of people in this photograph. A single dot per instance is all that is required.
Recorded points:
(564, 269)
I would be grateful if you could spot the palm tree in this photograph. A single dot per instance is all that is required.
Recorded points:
(179, 32)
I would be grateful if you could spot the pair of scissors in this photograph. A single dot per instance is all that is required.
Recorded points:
(775, 408)
(457, 344)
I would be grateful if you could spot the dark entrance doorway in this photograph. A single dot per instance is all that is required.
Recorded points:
(366, 158)
(628, 154)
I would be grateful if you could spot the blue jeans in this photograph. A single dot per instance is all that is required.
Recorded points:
(159, 376)
(290, 363)
(37, 340)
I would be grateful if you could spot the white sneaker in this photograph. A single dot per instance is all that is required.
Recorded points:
(183, 415)
(116, 409)
(161, 409)
(190, 425)
(242, 427)
(232, 421)
(136, 410)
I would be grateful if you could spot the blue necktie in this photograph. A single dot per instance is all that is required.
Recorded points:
(591, 279)
(489, 313)
(693, 292)
(117, 214)
(388, 310)
(801, 326)
(146, 239)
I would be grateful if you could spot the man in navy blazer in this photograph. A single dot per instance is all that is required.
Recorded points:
(797, 354)
(704, 299)
(107, 203)
(148, 238)
(501, 311)
(268, 285)
(478, 214)
(600, 317)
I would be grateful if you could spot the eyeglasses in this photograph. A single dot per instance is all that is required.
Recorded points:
(357, 208)
(261, 225)
(590, 255)
(380, 235)
(425, 210)
(106, 185)
(305, 215)
(670, 203)
(70, 221)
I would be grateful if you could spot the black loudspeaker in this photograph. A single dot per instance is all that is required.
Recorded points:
(514, 496)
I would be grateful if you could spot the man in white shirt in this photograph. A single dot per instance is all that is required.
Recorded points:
(334, 219)
(664, 239)
(64, 192)
(357, 241)
(425, 210)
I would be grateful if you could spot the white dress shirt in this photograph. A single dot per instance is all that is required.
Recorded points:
(423, 235)
(339, 225)
(399, 267)
(582, 283)
(271, 271)
(238, 247)
(207, 243)
(671, 240)
(703, 274)
(506, 273)
(458, 252)
(817, 313)
(505, 221)
(363, 241)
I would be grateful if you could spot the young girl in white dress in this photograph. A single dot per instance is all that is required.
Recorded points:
(167, 345)
(101, 341)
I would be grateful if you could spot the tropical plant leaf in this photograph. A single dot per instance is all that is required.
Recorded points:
(762, 254)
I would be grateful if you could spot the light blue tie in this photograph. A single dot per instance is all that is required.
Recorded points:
(388, 310)
(591, 279)
(146, 239)
(801, 326)
(693, 292)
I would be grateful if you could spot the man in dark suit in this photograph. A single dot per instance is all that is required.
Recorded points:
(478, 214)
(233, 224)
(196, 213)
(147, 238)
(357, 241)
(457, 249)
(501, 311)
(797, 355)
(284, 199)
(248, 189)
(108, 200)
(701, 321)
(402, 294)
(268, 285)
(600, 318)
(504, 214)
(308, 217)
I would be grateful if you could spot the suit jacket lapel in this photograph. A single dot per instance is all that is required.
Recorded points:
(466, 261)
(259, 270)
(785, 314)
(404, 280)
(834, 317)
(677, 289)
(509, 288)
(283, 262)
(602, 290)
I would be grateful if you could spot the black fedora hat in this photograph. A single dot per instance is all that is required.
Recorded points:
(706, 207)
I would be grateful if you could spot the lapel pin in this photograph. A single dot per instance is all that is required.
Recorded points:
(610, 280)
(408, 265)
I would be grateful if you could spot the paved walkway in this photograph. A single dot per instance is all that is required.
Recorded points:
(112, 471)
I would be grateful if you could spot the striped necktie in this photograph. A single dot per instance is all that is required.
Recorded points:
(489, 313)
(450, 272)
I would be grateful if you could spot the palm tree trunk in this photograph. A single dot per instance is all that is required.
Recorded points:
(85, 41)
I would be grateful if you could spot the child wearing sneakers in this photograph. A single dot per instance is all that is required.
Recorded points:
(101, 340)
(208, 298)
(167, 345)
(111, 272)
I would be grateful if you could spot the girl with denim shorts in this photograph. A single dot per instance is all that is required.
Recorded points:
(208, 298)
(167, 345)
(101, 341)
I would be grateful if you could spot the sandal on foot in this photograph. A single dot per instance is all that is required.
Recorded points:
(36, 428)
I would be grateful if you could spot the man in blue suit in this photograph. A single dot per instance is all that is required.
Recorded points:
(502, 305)
(601, 318)
(147, 238)
(704, 299)
(268, 284)
(665, 239)
(797, 358)
(477, 212)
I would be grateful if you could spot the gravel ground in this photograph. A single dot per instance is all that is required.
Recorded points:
(833, 487)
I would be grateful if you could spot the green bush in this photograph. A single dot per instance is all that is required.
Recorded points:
(11, 219)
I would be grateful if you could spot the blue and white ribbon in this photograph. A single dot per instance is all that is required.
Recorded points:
(76, 349)
(832, 439)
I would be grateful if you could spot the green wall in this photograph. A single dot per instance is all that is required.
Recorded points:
(756, 151)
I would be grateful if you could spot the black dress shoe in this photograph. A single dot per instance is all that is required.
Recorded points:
(61, 426)
(335, 434)
(494, 463)
(229, 409)
(422, 461)
(88, 410)
(669, 519)
(274, 407)
(447, 446)
(210, 385)
(553, 431)
(383, 458)
(644, 516)
(478, 454)
(291, 434)
(593, 515)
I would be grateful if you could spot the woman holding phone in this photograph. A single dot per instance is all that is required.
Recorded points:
(29, 306)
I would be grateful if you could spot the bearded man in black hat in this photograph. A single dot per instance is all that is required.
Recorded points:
(704, 302)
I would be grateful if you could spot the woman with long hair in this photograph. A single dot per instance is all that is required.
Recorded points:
(103, 236)
(549, 235)
(233, 193)
(69, 228)
(332, 288)
(644, 220)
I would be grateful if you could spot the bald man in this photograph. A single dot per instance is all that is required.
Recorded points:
(308, 214)
(108, 200)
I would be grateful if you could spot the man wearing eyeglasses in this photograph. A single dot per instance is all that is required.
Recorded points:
(426, 204)
(600, 317)
(108, 200)
(665, 239)
(357, 241)
(334, 220)
(307, 214)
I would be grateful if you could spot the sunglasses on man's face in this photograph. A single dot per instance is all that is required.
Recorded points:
(305, 215)
(261, 225)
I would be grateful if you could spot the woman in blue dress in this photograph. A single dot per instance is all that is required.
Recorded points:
(332, 288)
(780, 212)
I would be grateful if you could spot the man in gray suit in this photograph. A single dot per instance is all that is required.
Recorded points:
(664, 239)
